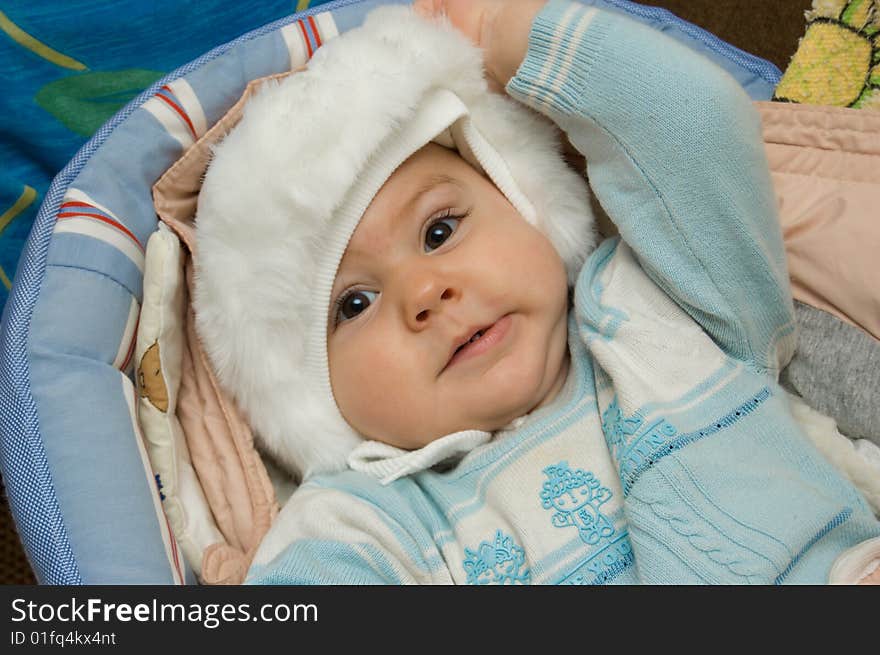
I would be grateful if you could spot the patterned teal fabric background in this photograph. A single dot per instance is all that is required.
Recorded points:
(68, 65)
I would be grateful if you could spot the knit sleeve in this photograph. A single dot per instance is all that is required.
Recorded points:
(328, 536)
(675, 157)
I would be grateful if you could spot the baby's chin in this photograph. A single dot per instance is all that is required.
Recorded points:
(413, 436)
(507, 415)
(488, 424)
(511, 403)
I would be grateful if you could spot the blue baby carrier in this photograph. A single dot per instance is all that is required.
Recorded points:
(80, 485)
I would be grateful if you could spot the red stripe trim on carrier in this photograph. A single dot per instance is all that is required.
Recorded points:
(166, 95)
(74, 209)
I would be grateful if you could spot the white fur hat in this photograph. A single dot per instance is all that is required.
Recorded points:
(287, 187)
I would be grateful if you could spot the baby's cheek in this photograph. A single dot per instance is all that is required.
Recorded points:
(368, 386)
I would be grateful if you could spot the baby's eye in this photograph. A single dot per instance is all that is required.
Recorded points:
(352, 303)
(439, 231)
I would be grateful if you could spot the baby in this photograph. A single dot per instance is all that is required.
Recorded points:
(422, 330)
(471, 337)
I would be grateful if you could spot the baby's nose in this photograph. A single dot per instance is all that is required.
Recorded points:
(426, 295)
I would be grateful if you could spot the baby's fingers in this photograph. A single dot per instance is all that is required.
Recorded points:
(428, 8)
(499, 27)
(465, 15)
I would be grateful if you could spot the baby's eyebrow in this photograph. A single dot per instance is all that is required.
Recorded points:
(405, 210)
(438, 179)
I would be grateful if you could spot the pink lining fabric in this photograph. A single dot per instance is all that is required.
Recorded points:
(825, 163)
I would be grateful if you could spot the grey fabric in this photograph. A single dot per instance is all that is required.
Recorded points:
(836, 370)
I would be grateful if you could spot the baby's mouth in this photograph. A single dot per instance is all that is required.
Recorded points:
(476, 336)
(476, 341)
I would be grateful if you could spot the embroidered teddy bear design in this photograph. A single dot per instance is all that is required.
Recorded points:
(576, 495)
(498, 562)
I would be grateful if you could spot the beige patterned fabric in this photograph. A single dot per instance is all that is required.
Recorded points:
(221, 523)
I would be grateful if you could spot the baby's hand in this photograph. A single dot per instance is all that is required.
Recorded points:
(499, 27)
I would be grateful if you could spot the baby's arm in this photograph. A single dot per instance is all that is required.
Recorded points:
(674, 152)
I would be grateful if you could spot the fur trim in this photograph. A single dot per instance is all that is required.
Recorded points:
(276, 182)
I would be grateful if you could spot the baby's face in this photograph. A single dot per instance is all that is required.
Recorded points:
(439, 255)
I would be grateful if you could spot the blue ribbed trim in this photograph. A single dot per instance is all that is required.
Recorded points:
(547, 30)
(30, 489)
(387, 503)
(589, 296)
(686, 439)
(305, 563)
(841, 518)
(760, 67)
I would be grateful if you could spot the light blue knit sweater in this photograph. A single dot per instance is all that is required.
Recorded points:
(670, 455)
